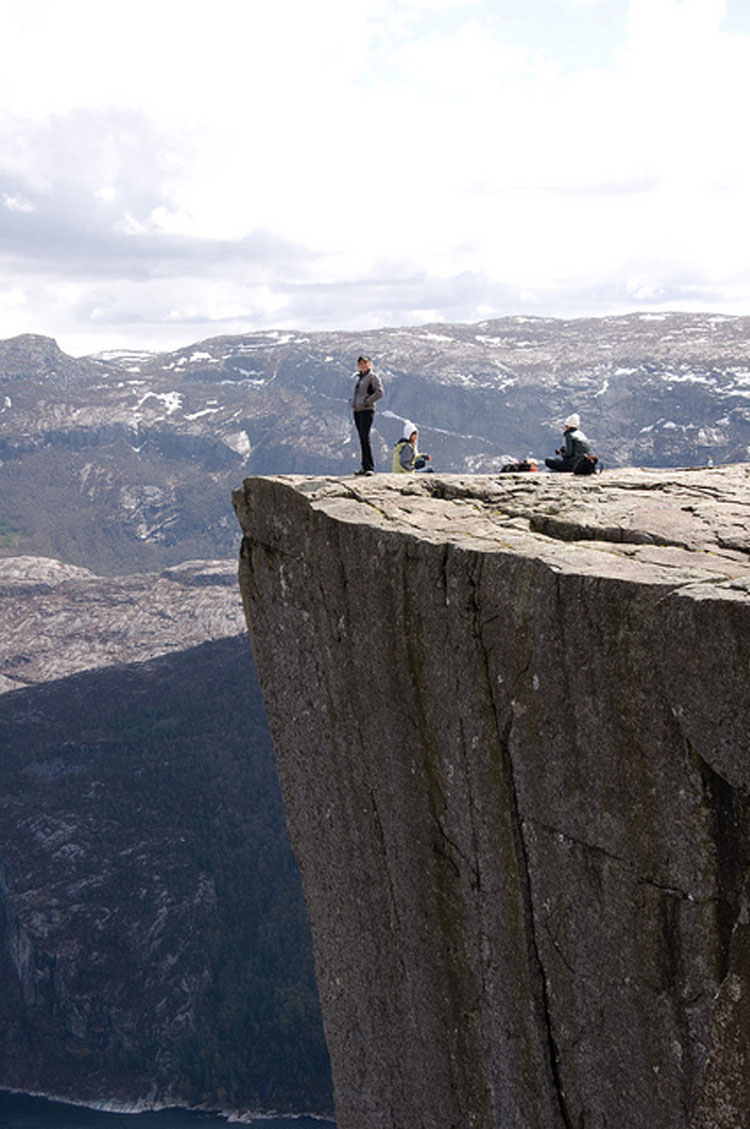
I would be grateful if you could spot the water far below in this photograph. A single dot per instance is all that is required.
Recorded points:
(18, 1111)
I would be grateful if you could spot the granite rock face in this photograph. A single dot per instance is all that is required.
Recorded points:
(512, 718)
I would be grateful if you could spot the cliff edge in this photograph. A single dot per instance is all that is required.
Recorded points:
(511, 718)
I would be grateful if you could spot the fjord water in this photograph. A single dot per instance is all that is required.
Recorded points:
(17, 1111)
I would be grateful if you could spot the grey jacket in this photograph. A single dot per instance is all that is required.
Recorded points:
(576, 444)
(368, 389)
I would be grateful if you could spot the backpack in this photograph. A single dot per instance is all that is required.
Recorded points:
(586, 465)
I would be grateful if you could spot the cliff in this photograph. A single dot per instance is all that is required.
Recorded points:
(511, 721)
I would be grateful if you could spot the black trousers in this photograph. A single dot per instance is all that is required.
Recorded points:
(560, 464)
(363, 423)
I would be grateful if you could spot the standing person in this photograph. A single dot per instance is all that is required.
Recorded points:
(368, 389)
(406, 457)
(575, 447)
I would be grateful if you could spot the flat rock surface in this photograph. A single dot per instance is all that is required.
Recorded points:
(691, 524)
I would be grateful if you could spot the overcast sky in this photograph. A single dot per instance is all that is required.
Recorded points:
(172, 170)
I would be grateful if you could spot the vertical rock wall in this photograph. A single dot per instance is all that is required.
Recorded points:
(515, 770)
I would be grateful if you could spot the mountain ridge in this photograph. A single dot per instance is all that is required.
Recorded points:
(124, 463)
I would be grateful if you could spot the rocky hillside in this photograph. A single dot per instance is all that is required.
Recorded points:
(59, 619)
(154, 945)
(124, 462)
(538, 775)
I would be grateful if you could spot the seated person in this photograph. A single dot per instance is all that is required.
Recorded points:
(575, 450)
(406, 457)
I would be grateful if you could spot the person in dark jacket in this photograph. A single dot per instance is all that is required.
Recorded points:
(367, 389)
(575, 446)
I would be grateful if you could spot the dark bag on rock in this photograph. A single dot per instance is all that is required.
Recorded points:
(525, 464)
(586, 465)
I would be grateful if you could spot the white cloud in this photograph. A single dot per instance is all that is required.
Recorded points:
(17, 204)
(352, 162)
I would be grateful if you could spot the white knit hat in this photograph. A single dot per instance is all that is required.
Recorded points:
(409, 428)
(573, 420)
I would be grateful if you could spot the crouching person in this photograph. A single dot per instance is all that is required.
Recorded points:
(406, 457)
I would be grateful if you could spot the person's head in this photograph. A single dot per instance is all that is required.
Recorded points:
(572, 422)
(364, 364)
(410, 431)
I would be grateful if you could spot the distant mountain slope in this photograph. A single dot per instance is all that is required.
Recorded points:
(125, 462)
(58, 619)
(153, 940)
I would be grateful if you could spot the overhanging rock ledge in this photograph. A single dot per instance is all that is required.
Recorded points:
(511, 719)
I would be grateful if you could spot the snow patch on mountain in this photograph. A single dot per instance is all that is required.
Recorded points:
(172, 401)
(239, 442)
(251, 381)
(203, 412)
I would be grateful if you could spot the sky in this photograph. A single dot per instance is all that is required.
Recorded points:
(172, 170)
